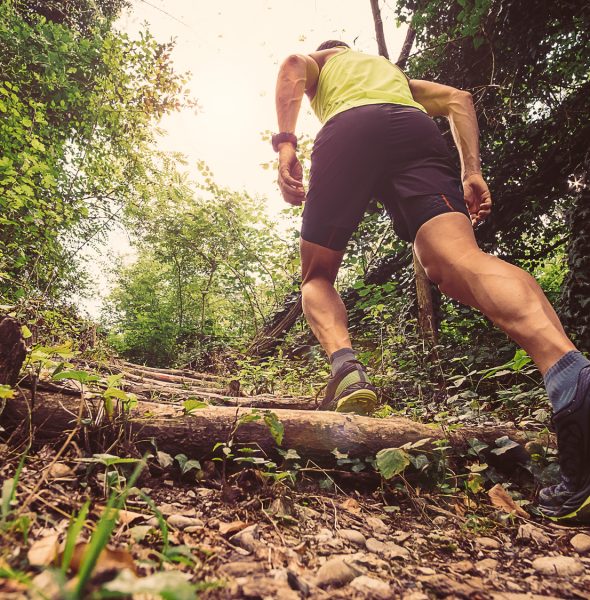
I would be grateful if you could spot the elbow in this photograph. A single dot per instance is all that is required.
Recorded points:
(459, 101)
(463, 97)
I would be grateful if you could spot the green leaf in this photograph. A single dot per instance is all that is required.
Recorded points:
(79, 376)
(26, 332)
(193, 404)
(277, 429)
(391, 462)
(6, 392)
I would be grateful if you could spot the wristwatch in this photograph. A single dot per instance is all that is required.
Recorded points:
(279, 138)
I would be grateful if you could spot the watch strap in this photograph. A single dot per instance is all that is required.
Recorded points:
(284, 136)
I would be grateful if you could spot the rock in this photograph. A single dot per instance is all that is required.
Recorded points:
(463, 566)
(246, 538)
(581, 543)
(377, 524)
(336, 572)
(267, 587)
(241, 568)
(528, 532)
(376, 546)
(560, 566)
(487, 564)
(61, 471)
(182, 522)
(395, 551)
(401, 536)
(323, 535)
(353, 536)
(440, 520)
(374, 588)
(415, 596)
(488, 543)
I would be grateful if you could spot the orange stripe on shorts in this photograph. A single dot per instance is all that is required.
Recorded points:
(447, 202)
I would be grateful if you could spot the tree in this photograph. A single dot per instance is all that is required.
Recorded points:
(78, 104)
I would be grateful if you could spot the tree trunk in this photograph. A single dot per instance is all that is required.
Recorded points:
(12, 351)
(406, 48)
(313, 434)
(379, 28)
(426, 317)
(575, 302)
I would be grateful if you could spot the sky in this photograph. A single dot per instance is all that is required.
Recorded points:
(233, 50)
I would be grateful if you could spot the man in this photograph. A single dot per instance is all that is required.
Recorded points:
(378, 140)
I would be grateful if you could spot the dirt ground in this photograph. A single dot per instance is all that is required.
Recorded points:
(251, 539)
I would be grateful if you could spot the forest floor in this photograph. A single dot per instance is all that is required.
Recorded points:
(194, 530)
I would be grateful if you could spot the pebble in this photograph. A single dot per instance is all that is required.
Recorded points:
(395, 551)
(353, 536)
(581, 543)
(336, 572)
(182, 522)
(487, 564)
(377, 524)
(246, 538)
(323, 535)
(561, 566)
(376, 546)
(530, 532)
(463, 566)
(377, 589)
(488, 543)
(241, 568)
(440, 520)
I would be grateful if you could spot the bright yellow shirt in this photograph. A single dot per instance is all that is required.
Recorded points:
(350, 79)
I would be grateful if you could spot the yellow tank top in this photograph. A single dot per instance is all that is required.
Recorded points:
(350, 79)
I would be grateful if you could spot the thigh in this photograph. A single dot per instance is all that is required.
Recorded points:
(445, 245)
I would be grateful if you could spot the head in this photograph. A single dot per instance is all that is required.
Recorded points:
(331, 44)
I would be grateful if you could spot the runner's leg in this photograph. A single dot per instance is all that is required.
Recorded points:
(322, 305)
(507, 295)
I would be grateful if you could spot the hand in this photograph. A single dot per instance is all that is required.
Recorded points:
(477, 198)
(290, 175)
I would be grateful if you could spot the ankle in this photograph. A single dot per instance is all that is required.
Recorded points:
(339, 358)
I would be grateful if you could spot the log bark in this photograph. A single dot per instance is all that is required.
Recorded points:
(12, 351)
(313, 434)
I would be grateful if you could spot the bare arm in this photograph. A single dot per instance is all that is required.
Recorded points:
(298, 74)
(457, 106)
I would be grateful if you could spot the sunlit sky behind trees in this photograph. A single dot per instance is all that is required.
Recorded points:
(232, 51)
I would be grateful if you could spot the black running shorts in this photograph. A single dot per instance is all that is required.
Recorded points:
(389, 152)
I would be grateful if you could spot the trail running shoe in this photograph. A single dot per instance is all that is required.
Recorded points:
(350, 391)
(569, 500)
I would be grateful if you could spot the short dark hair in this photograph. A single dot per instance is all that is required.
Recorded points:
(331, 44)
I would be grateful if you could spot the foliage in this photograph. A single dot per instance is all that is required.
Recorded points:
(210, 267)
(78, 104)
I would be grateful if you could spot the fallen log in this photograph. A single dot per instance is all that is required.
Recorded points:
(313, 434)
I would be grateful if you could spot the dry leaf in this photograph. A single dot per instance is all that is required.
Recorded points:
(61, 470)
(108, 559)
(231, 528)
(351, 505)
(502, 500)
(44, 551)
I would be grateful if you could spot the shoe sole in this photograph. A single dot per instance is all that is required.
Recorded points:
(360, 402)
(579, 516)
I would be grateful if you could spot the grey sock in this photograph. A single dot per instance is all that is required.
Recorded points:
(340, 357)
(562, 378)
